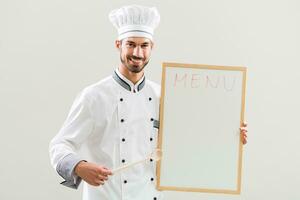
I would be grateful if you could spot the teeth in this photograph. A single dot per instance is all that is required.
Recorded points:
(135, 60)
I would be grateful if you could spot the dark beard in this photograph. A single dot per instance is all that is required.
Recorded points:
(133, 68)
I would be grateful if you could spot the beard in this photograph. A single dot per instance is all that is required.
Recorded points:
(131, 67)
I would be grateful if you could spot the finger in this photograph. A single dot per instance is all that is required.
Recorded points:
(106, 171)
(99, 182)
(109, 172)
(244, 134)
(102, 177)
(244, 139)
(243, 129)
(102, 171)
(93, 183)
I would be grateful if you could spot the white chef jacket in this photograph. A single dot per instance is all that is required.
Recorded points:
(117, 122)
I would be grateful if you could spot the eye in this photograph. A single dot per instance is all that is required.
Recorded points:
(130, 45)
(145, 46)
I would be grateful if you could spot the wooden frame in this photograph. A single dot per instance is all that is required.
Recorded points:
(160, 184)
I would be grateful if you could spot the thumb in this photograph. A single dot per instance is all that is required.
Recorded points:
(107, 171)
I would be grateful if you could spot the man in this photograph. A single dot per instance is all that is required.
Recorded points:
(116, 120)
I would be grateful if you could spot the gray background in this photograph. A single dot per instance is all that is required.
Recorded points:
(50, 50)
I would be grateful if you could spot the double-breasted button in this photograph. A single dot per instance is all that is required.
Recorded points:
(151, 139)
(121, 99)
(152, 179)
(123, 139)
(151, 160)
(125, 181)
(152, 119)
(150, 98)
(122, 120)
(123, 160)
(154, 198)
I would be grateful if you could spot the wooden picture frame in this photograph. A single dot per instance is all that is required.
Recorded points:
(201, 110)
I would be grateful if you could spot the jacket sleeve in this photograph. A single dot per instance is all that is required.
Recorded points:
(64, 146)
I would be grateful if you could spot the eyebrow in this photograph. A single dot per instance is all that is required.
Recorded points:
(131, 42)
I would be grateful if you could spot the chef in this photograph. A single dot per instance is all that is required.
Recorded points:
(115, 120)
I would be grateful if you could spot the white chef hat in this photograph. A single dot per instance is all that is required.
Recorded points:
(135, 21)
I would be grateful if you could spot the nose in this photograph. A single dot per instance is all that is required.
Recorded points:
(138, 52)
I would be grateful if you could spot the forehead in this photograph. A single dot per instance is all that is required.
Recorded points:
(137, 40)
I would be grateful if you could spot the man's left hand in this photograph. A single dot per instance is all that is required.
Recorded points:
(243, 131)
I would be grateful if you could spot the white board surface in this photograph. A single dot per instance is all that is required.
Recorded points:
(201, 112)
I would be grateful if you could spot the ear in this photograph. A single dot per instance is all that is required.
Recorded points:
(118, 44)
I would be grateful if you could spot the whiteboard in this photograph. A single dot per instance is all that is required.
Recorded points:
(202, 108)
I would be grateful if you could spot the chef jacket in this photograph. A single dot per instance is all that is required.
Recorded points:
(117, 123)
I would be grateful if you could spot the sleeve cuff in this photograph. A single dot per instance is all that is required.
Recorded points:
(65, 168)
(72, 184)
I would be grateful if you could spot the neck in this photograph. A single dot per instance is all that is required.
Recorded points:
(133, 77)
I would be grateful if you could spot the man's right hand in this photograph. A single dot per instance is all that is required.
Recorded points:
(91, 173)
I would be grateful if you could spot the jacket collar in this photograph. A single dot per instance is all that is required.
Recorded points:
(127, 84)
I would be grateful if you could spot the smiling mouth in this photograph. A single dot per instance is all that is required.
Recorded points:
(135, 60)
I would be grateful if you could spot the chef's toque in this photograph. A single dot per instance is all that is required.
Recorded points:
(135, 21)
